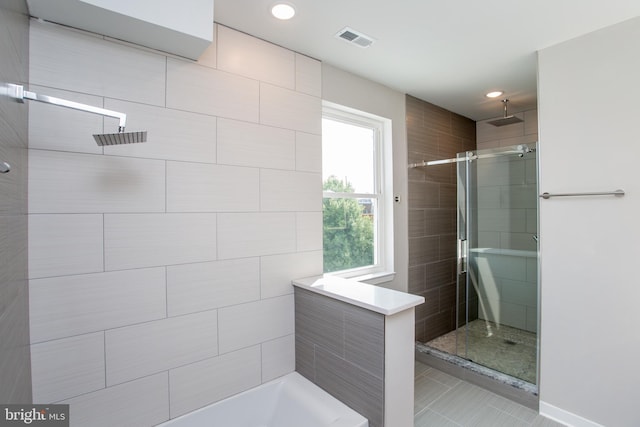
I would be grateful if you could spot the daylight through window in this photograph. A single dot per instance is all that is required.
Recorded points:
(352, 192)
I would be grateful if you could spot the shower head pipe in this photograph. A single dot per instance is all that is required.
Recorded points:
(507, 119)
(18, 93)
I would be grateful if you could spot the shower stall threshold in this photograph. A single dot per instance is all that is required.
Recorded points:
(504, 385)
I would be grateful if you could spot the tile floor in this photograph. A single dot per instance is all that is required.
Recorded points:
(445, 401)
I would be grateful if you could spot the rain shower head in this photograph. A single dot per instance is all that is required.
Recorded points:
(120, 138)
(18, 93)
(507, 119)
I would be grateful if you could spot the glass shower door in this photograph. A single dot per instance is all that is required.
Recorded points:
(497, 260)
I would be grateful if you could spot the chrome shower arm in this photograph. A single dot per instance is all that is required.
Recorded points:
(17, 92)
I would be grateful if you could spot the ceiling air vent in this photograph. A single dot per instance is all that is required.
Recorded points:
(355, 37)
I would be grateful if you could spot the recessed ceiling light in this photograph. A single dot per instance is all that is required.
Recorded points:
(283, 11)
(494, 94)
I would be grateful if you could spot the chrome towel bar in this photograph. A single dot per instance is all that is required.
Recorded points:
(599, 193)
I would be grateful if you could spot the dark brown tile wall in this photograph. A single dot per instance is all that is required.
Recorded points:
(434, 133)
(15, 360)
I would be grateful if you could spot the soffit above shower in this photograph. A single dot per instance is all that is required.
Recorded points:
(183, 28)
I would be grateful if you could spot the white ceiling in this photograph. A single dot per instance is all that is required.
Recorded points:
(447, 52)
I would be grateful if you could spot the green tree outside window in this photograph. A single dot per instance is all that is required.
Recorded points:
(348, 229)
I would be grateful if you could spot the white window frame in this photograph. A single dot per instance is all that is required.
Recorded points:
(382, 269)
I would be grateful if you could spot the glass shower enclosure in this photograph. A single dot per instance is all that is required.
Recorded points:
(497, 262)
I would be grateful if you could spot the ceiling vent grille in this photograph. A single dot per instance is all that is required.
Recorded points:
(355, 37)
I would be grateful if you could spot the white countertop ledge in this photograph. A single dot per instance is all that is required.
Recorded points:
(374, 298)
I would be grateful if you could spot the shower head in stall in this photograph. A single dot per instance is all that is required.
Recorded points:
(120, 138)
(18, 93)
(507, 119)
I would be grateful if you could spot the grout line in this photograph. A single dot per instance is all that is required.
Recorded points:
(217, 255)
(259, 278)
(104, 245)
(166, 79)
(104, 339)
(217, 332)
(261, 363)
(166, 292)
(169, 392)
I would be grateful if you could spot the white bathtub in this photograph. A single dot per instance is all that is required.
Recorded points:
(288, 401)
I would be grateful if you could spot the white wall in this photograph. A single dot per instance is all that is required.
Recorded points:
(160, 272)
(353, 91)
(589, 93)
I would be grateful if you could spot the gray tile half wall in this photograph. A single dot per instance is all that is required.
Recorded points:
(340, 347)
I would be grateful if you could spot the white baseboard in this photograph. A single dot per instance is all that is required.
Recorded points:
(565, 417)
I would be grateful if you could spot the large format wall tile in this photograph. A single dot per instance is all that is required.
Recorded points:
(67, 367)
(55, 128)
(255, 322)
(487, 132)
(308, 75)
(143, 402)
(84, 183)
(81, 62)
(320, 321)
(211, 188)
(193, 386)
(171, 134)
(139, 350)
(192, 87)
(241, 54)
(15, 367)
(209, 285)
(250, 144)
(282, 191)
(503, 220)
(15, 374)
(278, 357)
(309, 231)
(158, 245)
(254, 234)
(65, 244)
(308, 152)
(358, 389)
(277, 271)
(290, 110)
(73, 305)
(364, 339)
(340, 347)
(146, 240)
(434, 133)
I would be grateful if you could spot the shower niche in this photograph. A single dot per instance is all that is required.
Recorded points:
(496, 320)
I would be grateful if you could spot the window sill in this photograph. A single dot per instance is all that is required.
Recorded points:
(376, 278)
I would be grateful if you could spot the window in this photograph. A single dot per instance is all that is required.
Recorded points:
(356, 209)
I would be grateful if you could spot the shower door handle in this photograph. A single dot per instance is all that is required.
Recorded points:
(462, 256)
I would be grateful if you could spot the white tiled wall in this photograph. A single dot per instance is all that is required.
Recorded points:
(68, 367)
(508, 288)
(192, 386)
(160, 272)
